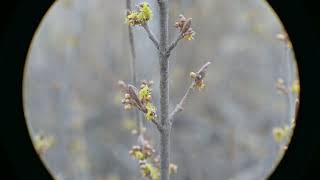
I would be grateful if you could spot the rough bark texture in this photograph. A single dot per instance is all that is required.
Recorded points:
(164, 90)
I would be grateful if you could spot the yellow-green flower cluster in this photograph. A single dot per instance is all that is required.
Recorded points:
(145, 93)
(184, 26)
(145, 98)
(141, 99)
(43, 143)
(151, 112)
(144, 153)
(136, 153)
(148, 170)
(189, 34)
(296, 87)
(281, 133)
(141, 16)
(199, 83)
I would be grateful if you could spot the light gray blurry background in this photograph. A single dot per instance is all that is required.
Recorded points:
(81, 50)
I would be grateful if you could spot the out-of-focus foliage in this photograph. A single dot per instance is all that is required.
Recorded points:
(81, 50)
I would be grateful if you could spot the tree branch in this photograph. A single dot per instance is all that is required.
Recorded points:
(174, 43)
(164, 90)
(158, 125)
(151, 36)
(179, 106)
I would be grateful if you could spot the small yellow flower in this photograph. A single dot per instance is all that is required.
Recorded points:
(43, 143)
(145, 93)
(151, 111)
(149, 170)
(200, 84)
(296, 87)
(278, 134)
(189, 35)
(141, 16)
(137, 155)
(145, 11)
(132, 18)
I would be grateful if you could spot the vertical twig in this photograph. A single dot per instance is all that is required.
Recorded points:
(164, 90)
(133, 71)
(289, 82)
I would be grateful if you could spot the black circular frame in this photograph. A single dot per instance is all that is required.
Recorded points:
(15, 43)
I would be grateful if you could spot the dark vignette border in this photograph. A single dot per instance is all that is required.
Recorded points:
(23, 18)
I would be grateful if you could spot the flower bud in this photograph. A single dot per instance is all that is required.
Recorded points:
(127, 101)
(127, 107)
(127, 96)
(193, 75)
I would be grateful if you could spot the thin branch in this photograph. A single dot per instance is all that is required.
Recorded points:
(174, 43)
(180, 105)
(289, 81)
(158, 125)
(151, 36)
(133, 69)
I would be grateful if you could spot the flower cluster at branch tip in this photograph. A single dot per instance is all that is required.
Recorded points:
(284, 37)
(140, 16)
(281, 133)
(143, 154)
(199, 83)
(148, 170)
(296, 87)
(43, 143)
(198, 77)
(184, 26)
(141, 99)
(145, 97)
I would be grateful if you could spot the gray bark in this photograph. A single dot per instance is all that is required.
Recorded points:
(164, 91)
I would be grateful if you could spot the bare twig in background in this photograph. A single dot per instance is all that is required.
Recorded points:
(287, 46)
(137, 114)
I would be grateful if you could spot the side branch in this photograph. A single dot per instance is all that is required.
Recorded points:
(158, 125)
(174, 43)
(199, 79)
(151, 36)
(180, 105)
